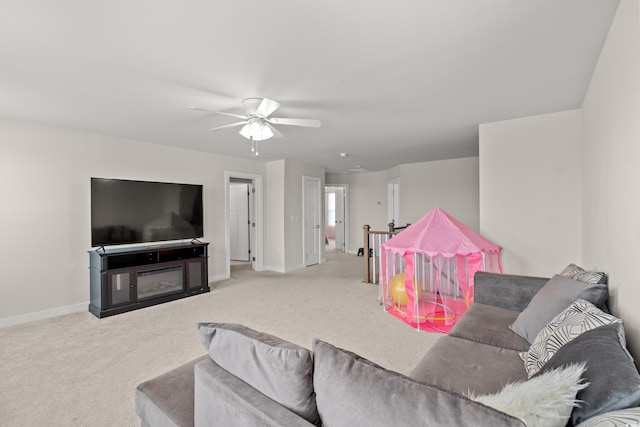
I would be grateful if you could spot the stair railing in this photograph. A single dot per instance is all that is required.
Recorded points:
(371, 249)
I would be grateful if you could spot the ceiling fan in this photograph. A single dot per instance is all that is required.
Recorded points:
(257, 125)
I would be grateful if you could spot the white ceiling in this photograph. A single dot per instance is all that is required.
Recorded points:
(393, 81)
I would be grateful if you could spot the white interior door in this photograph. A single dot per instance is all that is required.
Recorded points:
(252, 226)
(393, 202)
(239, 221)
(312, 214)
(340, 220)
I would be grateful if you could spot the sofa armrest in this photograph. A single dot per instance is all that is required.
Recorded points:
(506, 290)
(167, 400)
(223, 399)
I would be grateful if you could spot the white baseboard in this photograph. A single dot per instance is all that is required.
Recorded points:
(44, 314)
(284, 270)
(295, 267)
(84, 306)
(217, 278)
(276, 269)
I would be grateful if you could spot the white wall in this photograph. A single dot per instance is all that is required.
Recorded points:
(284, 241)
(45, 216)
(530, 191)
(274, 212)
(448, 184)
(611, 168)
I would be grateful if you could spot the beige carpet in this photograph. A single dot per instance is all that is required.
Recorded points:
(77, 370)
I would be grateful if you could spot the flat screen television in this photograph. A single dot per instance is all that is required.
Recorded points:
(125, 211)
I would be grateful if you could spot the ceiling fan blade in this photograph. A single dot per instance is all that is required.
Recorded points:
(200, 109)
(312, 123)
(231, 125)
(276, 132)
(267, 106)
(238, 116)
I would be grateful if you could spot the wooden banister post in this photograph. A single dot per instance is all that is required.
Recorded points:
(367, 271)
(392, 226)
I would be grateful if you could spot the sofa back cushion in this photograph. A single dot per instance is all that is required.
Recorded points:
(278, 369)
(614, 382)
(351, 390)
(556, 295)
(578, 318)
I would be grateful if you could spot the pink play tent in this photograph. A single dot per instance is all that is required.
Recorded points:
(427, 270)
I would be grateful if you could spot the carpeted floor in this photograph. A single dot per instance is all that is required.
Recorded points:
(77, 370)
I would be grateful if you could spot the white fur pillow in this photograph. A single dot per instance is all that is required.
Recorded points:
(543, 401)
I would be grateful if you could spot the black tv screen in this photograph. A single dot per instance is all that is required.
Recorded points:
(124, 211)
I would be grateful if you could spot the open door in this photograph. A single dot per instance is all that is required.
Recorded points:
(337, 215)
(312, 215)
(243, 219)
(239, 224)
(340, 220)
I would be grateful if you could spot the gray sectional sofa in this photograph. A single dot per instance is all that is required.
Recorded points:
(247, 378)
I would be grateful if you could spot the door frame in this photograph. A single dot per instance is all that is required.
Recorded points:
(345, 190)
(258, 264)
(319, 201)
(247, 187)
(393, 201)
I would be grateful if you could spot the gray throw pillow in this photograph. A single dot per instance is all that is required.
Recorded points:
(554, 297)
(614, 382)
(278, 369)
(352, 391)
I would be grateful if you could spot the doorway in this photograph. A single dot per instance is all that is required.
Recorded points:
(243, 217)
(336, 215)
(393, 201)
(239, 223)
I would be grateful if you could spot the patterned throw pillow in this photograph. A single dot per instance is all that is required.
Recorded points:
(623, 418)
(578, 273)
(579, 317)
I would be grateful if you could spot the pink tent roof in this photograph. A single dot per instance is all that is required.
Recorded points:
(438, 233)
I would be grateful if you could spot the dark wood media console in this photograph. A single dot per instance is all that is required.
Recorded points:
(128, 279)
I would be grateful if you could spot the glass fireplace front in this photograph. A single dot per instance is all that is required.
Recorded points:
(152, 283)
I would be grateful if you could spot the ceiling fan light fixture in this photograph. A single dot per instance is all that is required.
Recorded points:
(256, 130)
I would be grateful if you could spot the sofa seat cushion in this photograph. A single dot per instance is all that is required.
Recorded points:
(167, 400)
(464, 366)
(352, 391)
(489, 324)
(277, 368)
